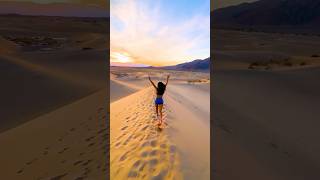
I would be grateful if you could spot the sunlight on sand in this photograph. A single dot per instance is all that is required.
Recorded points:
(139, 149)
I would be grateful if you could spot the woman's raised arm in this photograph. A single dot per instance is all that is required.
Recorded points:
(168, 79)
(152, 82)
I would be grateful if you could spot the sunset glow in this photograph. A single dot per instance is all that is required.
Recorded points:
(159, 33)
(121, 57)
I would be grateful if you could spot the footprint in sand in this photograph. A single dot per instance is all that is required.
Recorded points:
(124, 128)
(90, 138)
(63, 150)
(59, 177)
(118, 144)
(142, 138)
(173, 149)
(77, 163)
(153, 162)
(145, 127)
(86, 172)
(144, 154)
(225, 128)
(136, 136)
(134, 147)
(145, 144)
(91, 144)
(123, 157)
(163, 146)
(274, 145)
(129, 138)
(20, 171)
(87, 162)
(154, 153)
(104, 170)
(142, 166)
(153, 143)
(32, 161)
(162, 174)
(132, 174)
(136, 164)
(102, 130)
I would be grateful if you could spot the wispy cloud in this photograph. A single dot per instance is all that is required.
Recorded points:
(150, 34)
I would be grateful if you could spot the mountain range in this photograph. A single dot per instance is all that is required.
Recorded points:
(53, 9)
(301, 14)
(195, 65)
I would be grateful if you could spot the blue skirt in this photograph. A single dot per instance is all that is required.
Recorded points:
(158, 101)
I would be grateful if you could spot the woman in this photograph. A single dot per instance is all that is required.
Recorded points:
(160, 89)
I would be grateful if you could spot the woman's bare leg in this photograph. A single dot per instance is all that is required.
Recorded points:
(160, 110)
(157, 110)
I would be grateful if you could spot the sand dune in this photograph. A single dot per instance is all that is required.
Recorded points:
(191, 123)
(140, 150)
(53, 98)
(265, 121)
(68, 143)
(283, 125)
(7, 46)
(43, 70)
(118, 90)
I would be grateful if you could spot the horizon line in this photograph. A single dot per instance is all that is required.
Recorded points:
(145, 65)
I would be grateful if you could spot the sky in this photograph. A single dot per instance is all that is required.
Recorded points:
(159, 32)
(214, 5)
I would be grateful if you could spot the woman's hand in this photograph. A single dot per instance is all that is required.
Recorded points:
(168, 79)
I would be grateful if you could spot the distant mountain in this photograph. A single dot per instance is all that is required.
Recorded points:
(54, 9)
(291, 13)
(196, 65)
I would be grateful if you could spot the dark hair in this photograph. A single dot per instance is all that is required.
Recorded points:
(161, 88)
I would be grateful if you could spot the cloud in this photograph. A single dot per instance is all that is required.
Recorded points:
(151, 35)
